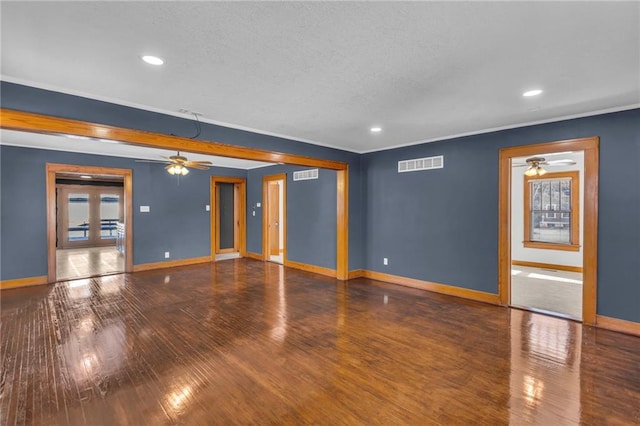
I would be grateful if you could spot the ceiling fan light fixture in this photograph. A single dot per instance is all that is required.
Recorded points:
(535, 170)
(177, 169)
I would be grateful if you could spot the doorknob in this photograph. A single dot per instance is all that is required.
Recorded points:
(276, 224)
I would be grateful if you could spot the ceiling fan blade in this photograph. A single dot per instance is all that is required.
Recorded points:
(201, 162)
(152, 161)
(196, 166)
(519, 165)
(561, 162)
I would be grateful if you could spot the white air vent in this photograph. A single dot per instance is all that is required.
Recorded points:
(416, 164)
(306, 174)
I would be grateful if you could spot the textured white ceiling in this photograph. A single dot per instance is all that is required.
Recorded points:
(325, 72)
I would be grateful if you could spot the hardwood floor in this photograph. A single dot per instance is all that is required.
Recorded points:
(248, 342)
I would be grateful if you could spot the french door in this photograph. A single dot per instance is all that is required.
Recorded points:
(87, 216)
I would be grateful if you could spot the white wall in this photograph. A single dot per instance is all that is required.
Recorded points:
(518, 251)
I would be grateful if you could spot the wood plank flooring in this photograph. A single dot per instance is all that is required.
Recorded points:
(247, 342)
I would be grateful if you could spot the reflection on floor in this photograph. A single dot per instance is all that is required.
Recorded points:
(249, 342)
(548, 290)
(88, 262)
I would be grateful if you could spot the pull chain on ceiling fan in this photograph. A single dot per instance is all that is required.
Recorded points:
(178, 164)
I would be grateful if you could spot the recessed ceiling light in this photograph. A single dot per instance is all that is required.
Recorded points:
(376, 129)
(153, 60)
(535, 92)
(85, 177)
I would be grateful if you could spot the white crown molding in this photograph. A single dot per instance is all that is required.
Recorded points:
(295, 139)
(511, 126)
(66, 91)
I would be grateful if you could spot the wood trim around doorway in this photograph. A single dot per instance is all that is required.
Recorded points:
(240, 203)
(38, 123)
(51, 170)
(590, 225)
(265, 212)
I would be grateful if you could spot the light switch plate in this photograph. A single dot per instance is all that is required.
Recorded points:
(207, 207)
(144, 209)
(258, 204)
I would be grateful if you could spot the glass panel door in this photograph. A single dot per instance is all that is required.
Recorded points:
(109, 215)
(89, 216)
(78, 217)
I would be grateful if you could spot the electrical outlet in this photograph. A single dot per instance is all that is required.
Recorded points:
(167, 255)
(385, 261)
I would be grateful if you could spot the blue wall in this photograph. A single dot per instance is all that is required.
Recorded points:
(438, 226)
(25, 98)
(442, 225)
(311, 215)
(177, 222)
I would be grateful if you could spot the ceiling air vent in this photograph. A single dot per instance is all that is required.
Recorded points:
(305, 174)
(416, 164)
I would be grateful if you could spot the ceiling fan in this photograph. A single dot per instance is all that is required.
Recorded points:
(535, 165)
(179, 165)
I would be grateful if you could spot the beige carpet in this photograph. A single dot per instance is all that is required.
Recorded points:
(553, 291)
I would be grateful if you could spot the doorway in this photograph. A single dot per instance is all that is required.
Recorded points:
(88, 221)
(228, 219)
(547, 220)
(47, 124)
(274, 221)
(546, 223)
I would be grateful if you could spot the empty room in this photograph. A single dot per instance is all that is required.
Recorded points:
(320, 213)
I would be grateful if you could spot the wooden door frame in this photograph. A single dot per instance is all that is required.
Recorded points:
(51, 170)
(241, 208)
(265, 213)
(590, 146)
(38, 123)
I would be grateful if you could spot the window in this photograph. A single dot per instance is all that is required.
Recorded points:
(551, 211)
